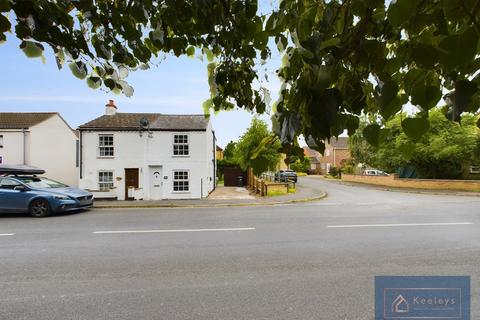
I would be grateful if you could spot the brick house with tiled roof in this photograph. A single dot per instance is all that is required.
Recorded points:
(149, 156)
(336, 154)
(40, 139)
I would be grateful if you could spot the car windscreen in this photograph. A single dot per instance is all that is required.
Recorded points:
(41, 183)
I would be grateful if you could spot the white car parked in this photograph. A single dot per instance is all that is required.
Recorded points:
(374, 172)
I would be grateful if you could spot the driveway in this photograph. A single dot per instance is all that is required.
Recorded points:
(306, 261)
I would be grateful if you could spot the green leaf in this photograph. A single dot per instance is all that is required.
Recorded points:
(99, 71)
(413, 78)
(110, 84)
(260, 40)
(425, 56)
(94, 82)
(426, 96)
(478, 123)
(190, 51)
(139, 13)
(5, 24)
(32, 49)
(464, 91)
(459, 49)
(388, 92)
(372, 134)
(79, 69)
(415, 128)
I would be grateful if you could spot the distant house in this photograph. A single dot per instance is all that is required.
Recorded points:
(219, 153)
(314, 157)
(336, 154)
(148, 156)
(40, 139)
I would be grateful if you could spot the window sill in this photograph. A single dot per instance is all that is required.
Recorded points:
(180, 191)
(105, 157)
(181, 156)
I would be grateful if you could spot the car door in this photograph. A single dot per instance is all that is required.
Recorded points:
(11, 199)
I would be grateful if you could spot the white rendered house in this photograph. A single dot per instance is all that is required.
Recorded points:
(148, 156)
(40, 139)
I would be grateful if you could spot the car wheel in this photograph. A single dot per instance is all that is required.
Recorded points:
(39, 208)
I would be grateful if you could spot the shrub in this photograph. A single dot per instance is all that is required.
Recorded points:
(334, 171)
(349, 169)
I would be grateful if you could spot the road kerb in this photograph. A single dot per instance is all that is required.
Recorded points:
(220, 205)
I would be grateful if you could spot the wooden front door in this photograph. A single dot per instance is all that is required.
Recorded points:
(131, 179)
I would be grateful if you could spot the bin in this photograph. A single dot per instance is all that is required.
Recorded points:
(240, 181)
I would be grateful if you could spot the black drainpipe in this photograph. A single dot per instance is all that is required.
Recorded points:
(80, 154)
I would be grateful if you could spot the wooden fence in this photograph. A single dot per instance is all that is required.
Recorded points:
(266, 184)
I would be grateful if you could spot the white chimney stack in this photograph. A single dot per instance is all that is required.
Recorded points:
(110, 108)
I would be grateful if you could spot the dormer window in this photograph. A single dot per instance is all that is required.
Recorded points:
(180, 145)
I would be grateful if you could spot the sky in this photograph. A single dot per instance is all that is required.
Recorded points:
(174, 86)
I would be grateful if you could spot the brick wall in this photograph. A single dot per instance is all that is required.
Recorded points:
(433, 184)
(341, 155)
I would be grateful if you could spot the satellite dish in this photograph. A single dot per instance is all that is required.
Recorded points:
(144, 122)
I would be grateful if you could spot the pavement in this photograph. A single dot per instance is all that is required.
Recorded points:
(312, 260)
(228, 193)
(223, 197)
(399, 189)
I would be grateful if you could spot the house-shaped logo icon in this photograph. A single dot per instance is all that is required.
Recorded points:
(400, 305)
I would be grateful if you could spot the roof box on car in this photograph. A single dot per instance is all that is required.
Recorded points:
(19, 169)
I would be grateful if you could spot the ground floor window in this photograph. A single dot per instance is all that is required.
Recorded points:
(180, 181)
(105, 180)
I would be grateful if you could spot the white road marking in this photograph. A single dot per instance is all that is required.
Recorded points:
(366, 204)
(172, 231)
(400, 225)
(6, 234)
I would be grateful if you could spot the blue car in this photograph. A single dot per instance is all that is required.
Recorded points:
(40, 196)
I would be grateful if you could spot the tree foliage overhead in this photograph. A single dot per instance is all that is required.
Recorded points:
(246, 150)
(341, 58)
(345, 58)
(446, 150)
(102, 40)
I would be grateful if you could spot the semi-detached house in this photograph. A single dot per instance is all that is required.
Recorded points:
(148, 156)
(40, 139)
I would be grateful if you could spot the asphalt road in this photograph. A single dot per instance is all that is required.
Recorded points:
(304, 261)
